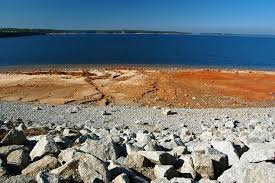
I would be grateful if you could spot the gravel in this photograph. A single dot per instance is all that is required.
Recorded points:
(128, 115)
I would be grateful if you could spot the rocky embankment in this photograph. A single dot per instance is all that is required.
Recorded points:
(219, 149)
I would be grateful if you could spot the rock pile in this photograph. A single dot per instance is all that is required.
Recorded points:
(226, 152)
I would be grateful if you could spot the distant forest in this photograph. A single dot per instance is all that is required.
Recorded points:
(14, 32)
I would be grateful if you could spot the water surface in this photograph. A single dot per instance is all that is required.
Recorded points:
(184, 50)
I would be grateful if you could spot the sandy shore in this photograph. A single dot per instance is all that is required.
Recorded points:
(194, 88)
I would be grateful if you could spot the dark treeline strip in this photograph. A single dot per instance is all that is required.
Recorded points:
(14, 32)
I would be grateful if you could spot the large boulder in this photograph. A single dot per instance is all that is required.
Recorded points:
(134, 160)
(91, 167)
(203, 165)
(47, 163)
(18, 160)
(14, 137)
(259, 152)
(104, 149)
(210, 163)
(233, 174)
(187, 168)
(259, 172)
(69, 171)
(46, 145)
(227, 148)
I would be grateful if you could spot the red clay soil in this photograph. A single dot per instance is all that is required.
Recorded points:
(159, 87)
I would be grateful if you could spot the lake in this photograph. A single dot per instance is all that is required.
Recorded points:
(247, 52)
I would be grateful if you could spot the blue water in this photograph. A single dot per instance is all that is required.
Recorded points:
(186, 50)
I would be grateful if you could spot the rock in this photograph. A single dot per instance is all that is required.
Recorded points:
(6, 150)
(206, 135)
(44, 147)
(62, 142)
(167, 112)
(209, 164)
(158, 157)
(105, 113)
(47, 163)
(227, 148)
(152, 146)
(45, 177)
(116, 170)
(122, 178)
(90, 167)
(233, 174)
(37, 108)
(219, 160)
(169, 144)
(259, 172)
(3, 170)
(68, 155)
(71, 134)
(136, 160)
(20, 179)
(104, 149)
(68, 171)
(167, 171)
(14, 137)
(132, 148)
(203, 165)
(187, 168)
(230, 124)
(74, 110)
(144, 137)
(196, 144)
(18, 160)
(258, 153)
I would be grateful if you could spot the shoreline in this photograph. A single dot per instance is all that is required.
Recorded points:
(165, 87)
(34, 67)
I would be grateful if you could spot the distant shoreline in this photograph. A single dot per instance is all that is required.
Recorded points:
(31, 67)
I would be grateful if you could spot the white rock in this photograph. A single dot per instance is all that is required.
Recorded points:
(226, 148)
(258, 153)
(90, 167)
(104, 149)
(43, 147)
(188, 167)
(259, 172)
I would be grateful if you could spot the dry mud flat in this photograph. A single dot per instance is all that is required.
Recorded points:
(153, 87)
(120, 144)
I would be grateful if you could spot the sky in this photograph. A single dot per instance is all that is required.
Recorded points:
(226, 16)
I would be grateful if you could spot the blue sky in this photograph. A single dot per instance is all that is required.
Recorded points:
(236, 16)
